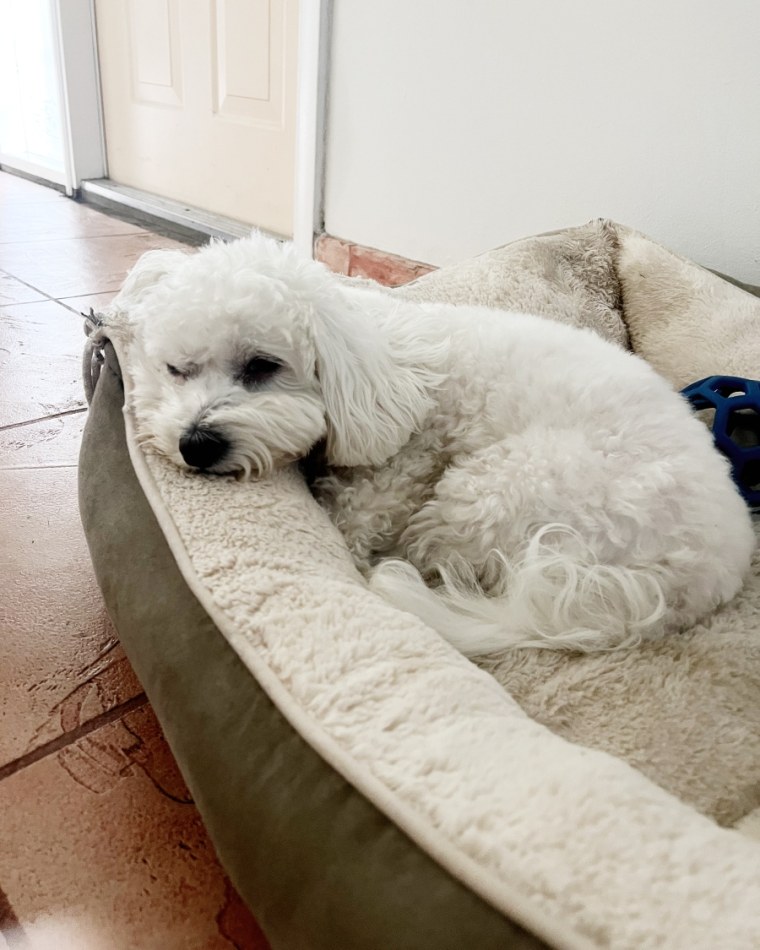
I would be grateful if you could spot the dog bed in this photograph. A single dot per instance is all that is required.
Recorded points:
(365, 785)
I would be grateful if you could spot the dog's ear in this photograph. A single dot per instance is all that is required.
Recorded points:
(149, 269)
(375, 373)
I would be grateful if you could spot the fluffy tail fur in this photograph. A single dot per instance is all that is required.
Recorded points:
(549, 598)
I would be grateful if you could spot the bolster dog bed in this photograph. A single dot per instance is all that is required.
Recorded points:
(365, 785)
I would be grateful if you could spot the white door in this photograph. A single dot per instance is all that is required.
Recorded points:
(199, 103)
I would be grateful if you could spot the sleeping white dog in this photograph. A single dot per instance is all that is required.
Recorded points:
(510, 480)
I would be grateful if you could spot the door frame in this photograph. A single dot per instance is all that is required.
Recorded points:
(314, 30)
(79, 78)
(84, 130)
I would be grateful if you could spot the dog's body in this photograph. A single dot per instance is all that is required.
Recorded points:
(511, 480)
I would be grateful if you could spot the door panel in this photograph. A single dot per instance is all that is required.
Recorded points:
(246, 87)
(199, 102)
(155, 52)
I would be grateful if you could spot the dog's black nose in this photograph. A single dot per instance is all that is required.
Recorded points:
(203, 448)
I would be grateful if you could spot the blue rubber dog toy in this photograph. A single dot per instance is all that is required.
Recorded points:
(736, 426)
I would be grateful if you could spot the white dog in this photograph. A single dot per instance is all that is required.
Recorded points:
(510, 480)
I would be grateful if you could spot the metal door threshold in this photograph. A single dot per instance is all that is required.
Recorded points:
(192, 224)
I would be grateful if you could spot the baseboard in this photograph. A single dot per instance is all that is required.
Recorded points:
(357, 260)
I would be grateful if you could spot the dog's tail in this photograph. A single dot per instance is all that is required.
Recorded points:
(549, 598)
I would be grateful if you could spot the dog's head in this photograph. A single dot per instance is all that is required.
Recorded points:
(246, 355)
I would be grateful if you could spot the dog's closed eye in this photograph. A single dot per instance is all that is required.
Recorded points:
(183, 372)
(258, 370)
(177, 373)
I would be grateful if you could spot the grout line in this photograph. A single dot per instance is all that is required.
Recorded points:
(136, 231)
(46, 297)
(61, 301)
(54, 415)
(142, 232)
(60, 742)
(26, 284)
(76, 310)
(36, 468)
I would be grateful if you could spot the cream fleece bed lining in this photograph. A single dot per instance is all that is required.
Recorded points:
(502, 895)
(572, 842)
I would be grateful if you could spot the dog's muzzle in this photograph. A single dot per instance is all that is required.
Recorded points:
(203, 448)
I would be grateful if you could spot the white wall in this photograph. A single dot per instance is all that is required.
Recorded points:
(458, 125)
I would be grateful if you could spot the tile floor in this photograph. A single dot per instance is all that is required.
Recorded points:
(101, 846)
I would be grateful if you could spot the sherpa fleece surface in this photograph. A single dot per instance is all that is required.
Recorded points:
(582, 797)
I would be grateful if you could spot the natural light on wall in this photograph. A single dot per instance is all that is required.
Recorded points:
(31, 133)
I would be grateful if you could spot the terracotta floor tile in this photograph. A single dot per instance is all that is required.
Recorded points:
(61, 663)
(77, 266)
(40, 361)
(98, 835)
(13, 291)
(48, 444)
(104, 832)
(64, 218)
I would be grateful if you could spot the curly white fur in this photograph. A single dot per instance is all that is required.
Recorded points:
(510, 480)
